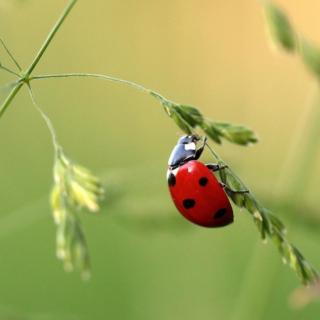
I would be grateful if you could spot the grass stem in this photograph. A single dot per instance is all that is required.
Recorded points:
(9, 70)
(50, 36)
(90, 75)
(10, 55)
(10, 97)
(46, 119)
(103, 77)
(25, 78)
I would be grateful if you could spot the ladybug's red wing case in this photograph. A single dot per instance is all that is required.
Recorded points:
(198, 195)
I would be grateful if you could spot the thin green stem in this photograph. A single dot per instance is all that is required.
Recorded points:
(9, 85)
(219, 159)
(47, 121)
(10, 55)
(50, 37)
(213, 152)
(9, 70)
(102, 77)
(36, 60)
(91, 75)
(10, 97)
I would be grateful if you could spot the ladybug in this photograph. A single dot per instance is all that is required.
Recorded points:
(194, 189)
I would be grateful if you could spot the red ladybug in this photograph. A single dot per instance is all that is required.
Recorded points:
(194, 189)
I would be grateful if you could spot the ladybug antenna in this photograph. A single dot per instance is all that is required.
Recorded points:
(197, 137)
(211, 150)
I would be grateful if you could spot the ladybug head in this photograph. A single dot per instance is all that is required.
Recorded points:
(185, 150)
(189, 139)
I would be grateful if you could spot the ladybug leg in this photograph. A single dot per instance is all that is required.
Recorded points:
(215, 167)
(200, 150)
(230, 191)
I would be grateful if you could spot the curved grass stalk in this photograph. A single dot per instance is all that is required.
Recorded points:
(106, 78)
(46, 120)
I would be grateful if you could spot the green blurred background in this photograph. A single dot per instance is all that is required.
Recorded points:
(148, 262)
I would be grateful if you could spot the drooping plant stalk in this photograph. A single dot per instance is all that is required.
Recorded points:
(46, 120)
(75, 186)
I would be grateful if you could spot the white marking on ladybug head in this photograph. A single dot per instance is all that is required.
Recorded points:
(190, 146)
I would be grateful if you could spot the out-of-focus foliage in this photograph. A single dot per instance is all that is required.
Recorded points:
(280, 27)
(75, 187)
(285, 36)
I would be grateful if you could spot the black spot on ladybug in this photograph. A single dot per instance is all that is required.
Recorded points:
(203, 181)
(189, 203)
(171, 180)
(220, 213)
